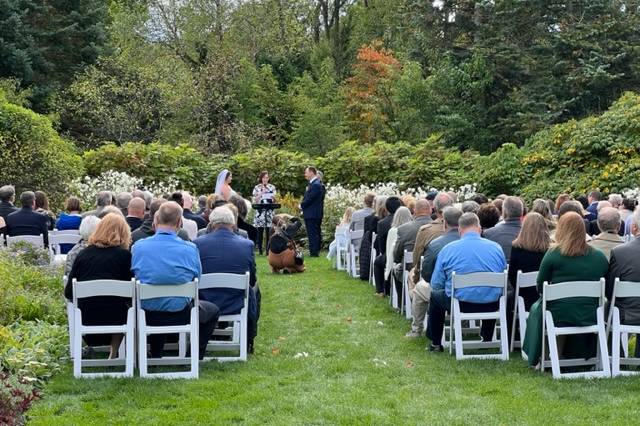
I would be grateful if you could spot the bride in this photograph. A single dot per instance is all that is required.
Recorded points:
(223, 185)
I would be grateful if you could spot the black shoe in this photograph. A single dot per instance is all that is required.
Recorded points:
(436, 348)
(251, 349)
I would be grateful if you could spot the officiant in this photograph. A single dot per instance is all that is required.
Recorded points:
(263, 193)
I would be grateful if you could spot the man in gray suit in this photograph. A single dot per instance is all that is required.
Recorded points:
(624, 265)
(504, 233)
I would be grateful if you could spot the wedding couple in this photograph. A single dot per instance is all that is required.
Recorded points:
(312, 205)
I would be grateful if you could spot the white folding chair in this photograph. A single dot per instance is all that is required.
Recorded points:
(620, 337)
(341, 237)
(149, 291)
(66, 232)
(55, 240)
(354, 251)
(405, 303)
(84, 289)
(35, 240)
(569, 290)
(240, 320)
(524, 280)
(372, 280)
(479, 279)
(70, 317)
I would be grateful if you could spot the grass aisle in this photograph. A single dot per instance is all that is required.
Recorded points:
(359, 370)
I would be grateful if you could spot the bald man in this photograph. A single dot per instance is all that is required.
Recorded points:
(135, 213)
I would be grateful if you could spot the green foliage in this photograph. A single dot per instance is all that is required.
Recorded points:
(501, 172)
(32, 154)
(157, 162)
(285, 167)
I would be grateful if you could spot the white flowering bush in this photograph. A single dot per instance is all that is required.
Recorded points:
(338, 198)
(631, 193)
(88, 187)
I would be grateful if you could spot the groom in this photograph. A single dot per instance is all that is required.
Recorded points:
(312, 207)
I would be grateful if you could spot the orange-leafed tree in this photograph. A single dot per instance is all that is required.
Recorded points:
(368, 93)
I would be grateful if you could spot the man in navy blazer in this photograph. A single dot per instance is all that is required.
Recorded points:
(223, 251)
(26, 221)
(312, 207)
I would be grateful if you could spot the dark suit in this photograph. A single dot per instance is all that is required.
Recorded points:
(6, 208)
(199, 220)
(504, 233)
(27, 222)
(407, 237)
(134, 222)
(382, 231)
(593, 211)
(624, 264)
(222, 251)
(313, 210)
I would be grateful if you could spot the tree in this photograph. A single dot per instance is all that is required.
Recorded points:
(44, 43)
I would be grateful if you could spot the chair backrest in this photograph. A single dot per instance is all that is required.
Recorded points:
(527, 279)
(65, 232)
(152, 291)
(224, 280)
(408, 257)
(55, 239)
(625, 289)
(356, 235)
(572, 289)
(479, 279)
(84, 289)
(36, 240)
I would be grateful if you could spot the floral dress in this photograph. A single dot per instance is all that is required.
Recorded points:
(263, 218)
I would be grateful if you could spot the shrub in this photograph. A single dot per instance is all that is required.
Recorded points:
(32, 154)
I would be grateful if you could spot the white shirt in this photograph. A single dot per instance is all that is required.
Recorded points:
(191, 227)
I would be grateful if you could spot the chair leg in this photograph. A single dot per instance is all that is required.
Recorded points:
(195, 330)
(182, 345)
(513, 325)
(457, 327)
(243, 338)
(553, 347)
(504, 334)
(602, 340)
(77, 349)
(142, 345)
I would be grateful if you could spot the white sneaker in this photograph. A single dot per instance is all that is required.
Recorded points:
(414, 334)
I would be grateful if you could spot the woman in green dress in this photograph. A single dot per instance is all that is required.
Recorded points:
(571, 259)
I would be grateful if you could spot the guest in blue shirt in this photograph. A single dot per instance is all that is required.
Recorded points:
(222, 251)
(69, 220)
(166, 259)
(471, 253)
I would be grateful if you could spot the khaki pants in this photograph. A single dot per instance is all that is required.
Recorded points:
(420, 296)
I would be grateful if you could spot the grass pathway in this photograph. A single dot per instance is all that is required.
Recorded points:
(359, 370)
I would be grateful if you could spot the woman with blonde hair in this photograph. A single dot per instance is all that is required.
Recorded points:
(341, 233)
(409, 201)
(106, 257)
(571, 259)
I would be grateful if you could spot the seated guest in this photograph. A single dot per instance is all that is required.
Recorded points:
(560, 201)
(187, 224)
(283, 252)
(109, 209)
(401, 217)
(489, 215)
(2, 224)
(593, 229)
(340, 234)
(42, 207)
(202, 204)
(7, 197)
(164, 258)
(526, 255)
(222, 251)
(87, 228)
(421, 292)
(370, 226)
(382, 284)
(135, 213)
(570, 260)
(615, 200)
(103, 199)
(428, 233)
(407, 233)
(593, 199)
(498, 205)
(470, 206)
(541, 207)
(479, 199)
(70, 220)
(626, 209)
(146, 229)
(504, 233)
(471, 253)
(609, 225)
(409, 201)
(211, 200)
(357, 219)
(187, 213)
(106, 257)
(26, 221)
(624, 265)
(122, 202)
(242, 209)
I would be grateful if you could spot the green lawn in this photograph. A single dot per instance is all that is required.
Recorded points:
(359, 370)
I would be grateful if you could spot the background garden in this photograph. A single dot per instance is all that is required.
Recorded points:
(527, 98)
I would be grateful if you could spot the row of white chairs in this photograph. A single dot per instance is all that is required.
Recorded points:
(56, 239)
(348, 250)
(136, 320)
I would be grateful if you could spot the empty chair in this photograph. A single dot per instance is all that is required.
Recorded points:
(148, 291)
(35, 240)
(355, 237)
(239, 321)
(97, 288)
(56, 240)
